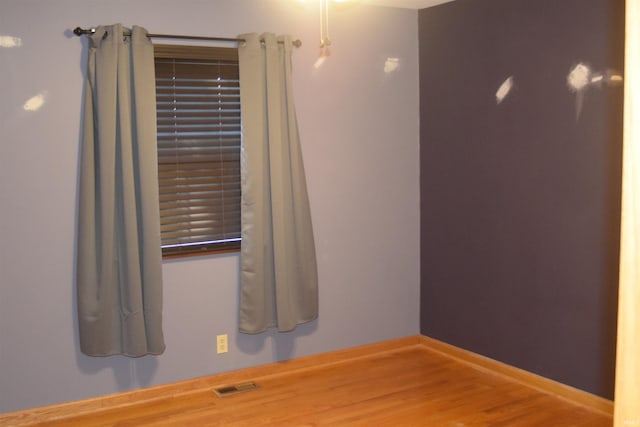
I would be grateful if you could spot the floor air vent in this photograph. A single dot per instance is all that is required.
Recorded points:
(235, 389)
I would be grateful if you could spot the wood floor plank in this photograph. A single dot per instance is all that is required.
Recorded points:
(409, 386)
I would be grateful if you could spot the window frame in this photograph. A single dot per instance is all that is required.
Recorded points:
(188, 52)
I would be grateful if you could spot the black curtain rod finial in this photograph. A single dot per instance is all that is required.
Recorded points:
(80, 32)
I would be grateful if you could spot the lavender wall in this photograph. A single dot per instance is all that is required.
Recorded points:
(520, 201)
(359, 128)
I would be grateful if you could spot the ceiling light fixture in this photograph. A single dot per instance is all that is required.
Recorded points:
(325, 38)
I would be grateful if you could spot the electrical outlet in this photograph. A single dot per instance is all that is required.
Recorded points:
(222, 343)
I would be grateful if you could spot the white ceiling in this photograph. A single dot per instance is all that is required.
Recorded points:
(409, 4)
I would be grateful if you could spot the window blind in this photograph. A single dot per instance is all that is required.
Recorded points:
(198, 129)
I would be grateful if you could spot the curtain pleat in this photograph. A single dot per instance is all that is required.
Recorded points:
(119, 271)
(279, 279)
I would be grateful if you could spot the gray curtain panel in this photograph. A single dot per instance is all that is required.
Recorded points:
(279, 279)
(119, 275)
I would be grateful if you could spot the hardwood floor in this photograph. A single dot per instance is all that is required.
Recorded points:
(408, 386)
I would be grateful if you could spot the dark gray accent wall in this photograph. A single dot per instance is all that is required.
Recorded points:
(520, 201)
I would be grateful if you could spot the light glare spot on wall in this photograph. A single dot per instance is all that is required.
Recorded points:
(9, 41)
(319, 62)
(391, 65)
(504, 89)
(578, 78)
(35, 103)
(582, 78)
(324, 54)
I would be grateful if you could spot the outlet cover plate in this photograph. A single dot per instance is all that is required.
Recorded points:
(222, 342)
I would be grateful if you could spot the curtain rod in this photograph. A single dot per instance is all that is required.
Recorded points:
(81, 32)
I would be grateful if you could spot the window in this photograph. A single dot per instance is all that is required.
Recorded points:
(198, 108)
